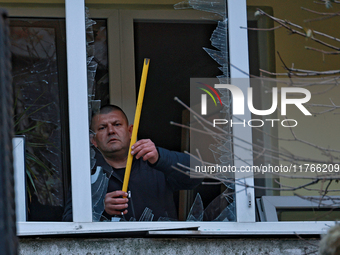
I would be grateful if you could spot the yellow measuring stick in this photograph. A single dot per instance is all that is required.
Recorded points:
(136, 122)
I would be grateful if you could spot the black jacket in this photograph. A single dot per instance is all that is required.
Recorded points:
(151, 186)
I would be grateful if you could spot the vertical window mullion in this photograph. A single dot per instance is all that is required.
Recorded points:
(239, 60)
(78, 110)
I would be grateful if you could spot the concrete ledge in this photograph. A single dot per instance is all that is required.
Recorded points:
(168, 246)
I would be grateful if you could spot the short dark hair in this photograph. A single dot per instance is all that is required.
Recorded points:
(105, 109)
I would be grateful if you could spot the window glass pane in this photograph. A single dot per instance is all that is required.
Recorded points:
(313, 214)
(101, 90)
(39, 79)
(41, 111)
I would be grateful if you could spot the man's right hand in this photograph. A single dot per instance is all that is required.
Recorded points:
(115, 203)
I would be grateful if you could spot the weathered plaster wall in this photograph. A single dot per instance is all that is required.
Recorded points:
(168, 246)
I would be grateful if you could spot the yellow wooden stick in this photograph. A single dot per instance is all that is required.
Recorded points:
(136, 122)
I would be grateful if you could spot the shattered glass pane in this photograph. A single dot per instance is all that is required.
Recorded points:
(228, 214)
(97, 64)
(216, 55)
(36, 81)
(117, 218)
(222, 208)
(197, 210)
(147, 215)
(214, 6)
(219, 36)
(166, 219)
(92, 157)
(99, 183)
(91, 64)
(40, 92)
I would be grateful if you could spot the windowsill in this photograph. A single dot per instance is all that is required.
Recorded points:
(175, 228)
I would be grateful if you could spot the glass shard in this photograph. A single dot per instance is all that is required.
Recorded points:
(147, 215)
(99, 183)
(197, 209)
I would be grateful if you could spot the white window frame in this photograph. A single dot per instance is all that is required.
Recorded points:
(268, 205)
(19, 167)
(125, 96)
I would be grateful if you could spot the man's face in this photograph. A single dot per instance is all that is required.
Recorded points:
(112, 133)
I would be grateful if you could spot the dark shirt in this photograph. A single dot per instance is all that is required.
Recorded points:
(151, 186)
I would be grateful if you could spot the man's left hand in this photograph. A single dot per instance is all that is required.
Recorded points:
(146, 149)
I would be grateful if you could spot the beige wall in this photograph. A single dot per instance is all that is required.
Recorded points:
(292, 47)
(321, 130)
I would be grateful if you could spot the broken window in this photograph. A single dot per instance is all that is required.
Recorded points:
(41, 108)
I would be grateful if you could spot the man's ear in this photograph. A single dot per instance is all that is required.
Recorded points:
(130, 130)
(93, 141)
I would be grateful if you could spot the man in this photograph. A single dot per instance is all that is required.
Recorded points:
(152, 180)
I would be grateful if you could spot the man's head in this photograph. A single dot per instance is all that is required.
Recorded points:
(112, 131)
